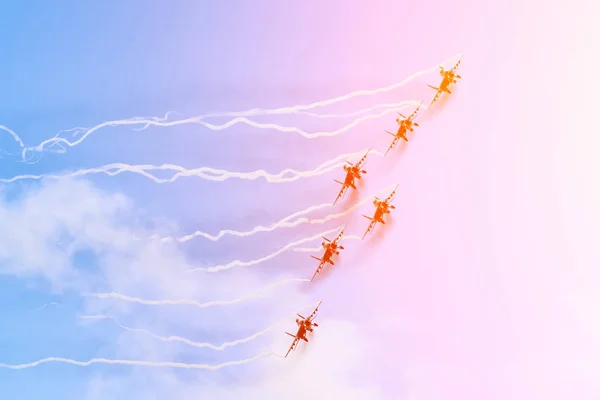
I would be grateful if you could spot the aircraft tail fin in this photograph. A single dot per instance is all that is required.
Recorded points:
(433, 87)
(317, 258)
(341, 183)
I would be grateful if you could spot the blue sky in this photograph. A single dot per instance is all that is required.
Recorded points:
(77, 65)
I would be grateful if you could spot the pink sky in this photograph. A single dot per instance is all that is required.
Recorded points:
(492, 262)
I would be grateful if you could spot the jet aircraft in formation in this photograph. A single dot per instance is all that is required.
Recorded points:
(382, 207)
(305, 325)
(405, 125)
(331, 248)
(449, 77)
(353, 172)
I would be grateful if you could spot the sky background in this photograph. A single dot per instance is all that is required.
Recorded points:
(482, 285)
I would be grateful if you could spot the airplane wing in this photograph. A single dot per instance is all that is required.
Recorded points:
(319, 268)
(312, 316)
(437, 95)
(414, 113)
(339, 236)
(391, 196)
(294, 344)
(454, 68)
(456, 65)
(394, 142)
(341, 192)
(371, 225)
(359, 164)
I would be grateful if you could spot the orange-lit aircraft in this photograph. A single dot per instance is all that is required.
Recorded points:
(448, 77)
(405, 125)
(331, 249)
(353, 171)
(305, 325)
(382, 208)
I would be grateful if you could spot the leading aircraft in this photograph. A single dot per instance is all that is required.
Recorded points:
(305, 325)
(353, 171)
(331, 249)
(381, 209)
(448, 77)
(405, 125)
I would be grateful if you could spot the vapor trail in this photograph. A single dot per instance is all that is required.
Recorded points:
(207, 173)
(247, 113)
(213, 303)
(283, 223)
(13, 134)
(313, 249)
(200, 344)
(359, 112)
(162, 364)
(213, 127)
(46, 305)
(238, 263)
(357, 93)
(255, 230)
(77, 130)
(99, 316)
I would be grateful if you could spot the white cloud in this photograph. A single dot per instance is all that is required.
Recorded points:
(42, 231)
(45, 229)
(329, 367)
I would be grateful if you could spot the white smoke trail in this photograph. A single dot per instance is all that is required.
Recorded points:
(213, 303)
(248, 113)
(207, 173)
(255, 230)
(77, 131)
(13, 134)
(165, 118)
(201, 344)
(213, 127)
(359, 112)
(283, 223)
(314, 249)
(161, 364)
(95, 317)
(356, 93)
(46, 306)
(238, 263)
